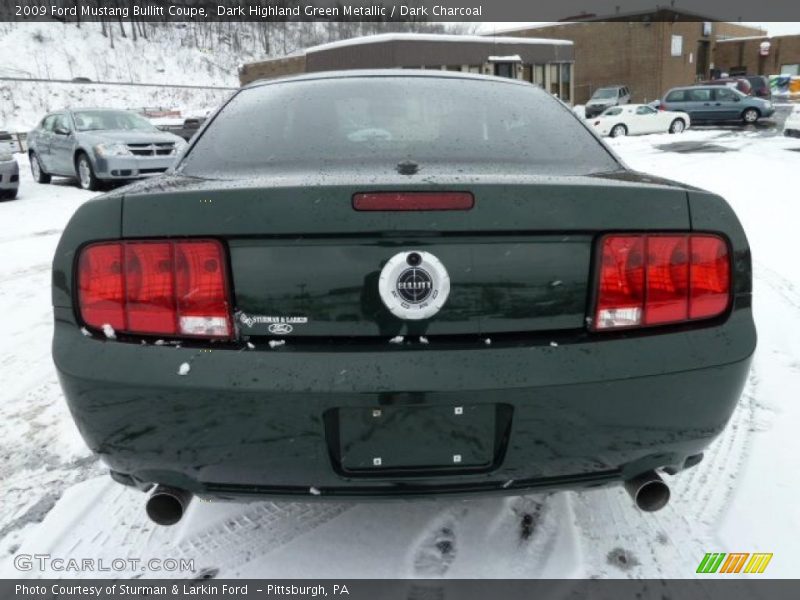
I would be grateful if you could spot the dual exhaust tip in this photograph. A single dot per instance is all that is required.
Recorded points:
(167, 505)
(648, 490)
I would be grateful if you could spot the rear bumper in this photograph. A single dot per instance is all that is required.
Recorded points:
(9, 175)
(263, 422)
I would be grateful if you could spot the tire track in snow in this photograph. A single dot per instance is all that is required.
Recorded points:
(668, 543)
(782, 286)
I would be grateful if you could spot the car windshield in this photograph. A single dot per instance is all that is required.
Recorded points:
(604, 94)
(355, 122)
(96, 120)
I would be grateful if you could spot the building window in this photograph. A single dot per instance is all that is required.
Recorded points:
(504, 69)
(555, 73)
(566, 78)
(790, 69)
(677, 45)
(527, 73)
(538, 75)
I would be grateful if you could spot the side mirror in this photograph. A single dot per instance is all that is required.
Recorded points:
(61, 131)
(737, 99)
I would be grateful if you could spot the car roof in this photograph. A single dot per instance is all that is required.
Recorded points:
(692, 87)
(363, 73)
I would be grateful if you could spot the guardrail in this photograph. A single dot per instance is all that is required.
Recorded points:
(17, 141)
(122, 83)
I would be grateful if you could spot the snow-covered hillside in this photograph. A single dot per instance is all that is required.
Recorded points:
(169, 57)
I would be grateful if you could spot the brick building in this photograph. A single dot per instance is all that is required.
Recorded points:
(649, 52)
(749, 56)
(547, 62)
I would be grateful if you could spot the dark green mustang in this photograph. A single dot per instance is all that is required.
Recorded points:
(383, 284)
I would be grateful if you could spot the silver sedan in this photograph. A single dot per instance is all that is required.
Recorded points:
(97, 145)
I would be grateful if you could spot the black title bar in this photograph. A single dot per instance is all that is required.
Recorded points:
(399, 10)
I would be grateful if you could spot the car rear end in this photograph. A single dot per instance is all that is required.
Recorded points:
(791, 127)
(9, 170)
(232, 336)
(760, 86)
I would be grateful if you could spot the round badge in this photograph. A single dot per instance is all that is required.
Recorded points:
(414, 285)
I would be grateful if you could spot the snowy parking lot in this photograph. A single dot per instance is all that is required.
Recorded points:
(57, 499)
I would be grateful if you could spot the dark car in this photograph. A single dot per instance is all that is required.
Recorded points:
(716, 103)
(187, 129)
(738, 83)
(760, 86)
(380, 284)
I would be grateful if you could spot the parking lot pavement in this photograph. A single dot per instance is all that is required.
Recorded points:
(765, 127)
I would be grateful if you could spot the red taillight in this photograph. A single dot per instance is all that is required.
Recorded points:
(414, 201)
(655, 279)
(171, 288)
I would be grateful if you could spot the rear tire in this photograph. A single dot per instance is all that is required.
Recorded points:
(8, 194)
(39, 176)
(750, 116)
(619, 131)
(677, 126)
(86, 178)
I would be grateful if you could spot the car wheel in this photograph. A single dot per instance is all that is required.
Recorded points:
(619, 130)
(39, 176)
(86, 178)
(677, 126)
(750, 115)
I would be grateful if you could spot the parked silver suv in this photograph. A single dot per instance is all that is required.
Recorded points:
(98, 145)
(605, 97)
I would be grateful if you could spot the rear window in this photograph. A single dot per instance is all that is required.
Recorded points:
(372, 120)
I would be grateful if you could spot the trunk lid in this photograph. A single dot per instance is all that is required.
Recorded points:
(305, 263)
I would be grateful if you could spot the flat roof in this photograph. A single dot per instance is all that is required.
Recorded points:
(376, 73)
(434, 37)
(756, 37)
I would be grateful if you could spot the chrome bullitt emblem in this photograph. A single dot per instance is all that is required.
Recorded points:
(414, 285)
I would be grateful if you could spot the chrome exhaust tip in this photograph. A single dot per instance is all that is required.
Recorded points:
(648, 491)
(166, 505)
